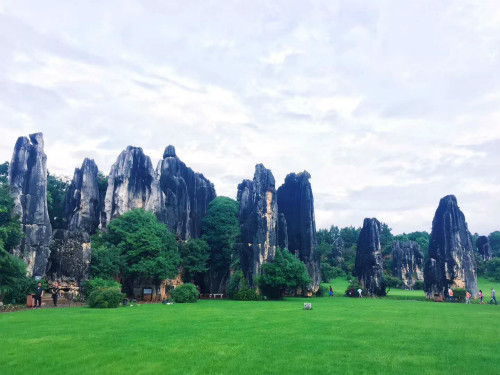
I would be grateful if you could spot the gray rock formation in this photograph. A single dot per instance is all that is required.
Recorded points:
(407, 262)
(484, 247)
(259, 220)
(132, 184)
(451, 261)
(28, 187)
(368, 264)
(282, 232)
(187, 195)
(296, 203)
(70, 248)
(338, 250)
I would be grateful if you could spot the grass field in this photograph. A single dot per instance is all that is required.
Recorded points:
(339, 336)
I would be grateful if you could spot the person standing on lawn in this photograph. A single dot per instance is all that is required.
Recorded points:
(330, 293)
(360, 291)
(38, 295)
(493, 297)
(467, 297)
(55, 293)
(450, 295)
(481, 295)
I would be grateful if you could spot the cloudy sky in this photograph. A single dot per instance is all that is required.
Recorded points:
(390, 105)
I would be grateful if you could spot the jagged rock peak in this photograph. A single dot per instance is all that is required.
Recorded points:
(450, 261)
(169, 152)
(368, 264)
(258, 218)
(484, 247)
(28, 187)
(296, 203)
(407, 262)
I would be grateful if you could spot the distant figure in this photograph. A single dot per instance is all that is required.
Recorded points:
(38, 295)
(351, 293)
(467, 297)
(330, 293)
(360, 291)
(55, 293)
(493, 297)
(199, 291)
(450, 295)
(481, 295)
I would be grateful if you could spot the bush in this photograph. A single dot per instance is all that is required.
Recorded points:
(103, 298)
(322, 291)
(246, 294)
(419, 285)
(353, 289)
(459, 294)
(98, 283)
(185, 293)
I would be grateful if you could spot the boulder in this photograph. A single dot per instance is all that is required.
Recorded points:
(187, 195)
(28, 187)
(407, 262)
(368, 263)
(132, 184)
(296, 203)
(484, 247)
(258, 218)
(450, 262)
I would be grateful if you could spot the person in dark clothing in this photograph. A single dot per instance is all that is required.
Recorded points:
(55, 293)
(38, 295)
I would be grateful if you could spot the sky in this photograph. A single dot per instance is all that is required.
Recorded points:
(389, 105)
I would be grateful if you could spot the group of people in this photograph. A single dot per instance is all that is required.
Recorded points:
(54, 291)
(468, 296)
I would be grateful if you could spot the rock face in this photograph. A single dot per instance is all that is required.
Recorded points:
(28, 187)
(282, 232)
(296, 203)
(83, 203)
(407, 262)
(484, 247)
(338, 250)
(132, 184)
(368, 262)
(258, 218)
(451, 260)
(70, 248)
(186, 195)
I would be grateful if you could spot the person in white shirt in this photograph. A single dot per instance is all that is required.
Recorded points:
(359, 292)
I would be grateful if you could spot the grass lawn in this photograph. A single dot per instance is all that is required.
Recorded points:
(339, 336)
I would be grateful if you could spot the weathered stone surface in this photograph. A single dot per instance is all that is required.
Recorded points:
(259, 219)
(132, 184)
(451, 261)
(282, 232)
(407, 262)
(187, 195)
(83, 202)
(368, 264)
(69, 257)
(338, 250)
(28, 187)
(296, 203)
(484, 247)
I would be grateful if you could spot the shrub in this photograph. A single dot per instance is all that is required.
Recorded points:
(246, 294)
(103, 298)
(98, 283)
(236, 282)
(185, 293)
(419, 285)
(322, 291)
(459, 294)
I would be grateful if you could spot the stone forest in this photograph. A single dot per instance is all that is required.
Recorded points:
(269, 217)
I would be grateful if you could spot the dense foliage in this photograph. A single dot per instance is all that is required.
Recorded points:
(56, 194)
(221, 230)
(103, 298)
(286, 271)
(98, 283)
(238, 288)
(135, 246)
(194, 258)
(185, 293)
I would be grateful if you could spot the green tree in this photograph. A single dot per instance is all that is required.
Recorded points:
(56, 194)
(141, 246)
(286, 271)
(391, 282)
(495, 243)
(221, 230)
(4, 172)
(194, 258)
(10, 226)
(350, 235)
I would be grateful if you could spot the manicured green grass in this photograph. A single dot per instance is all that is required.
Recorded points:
(339, 336)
